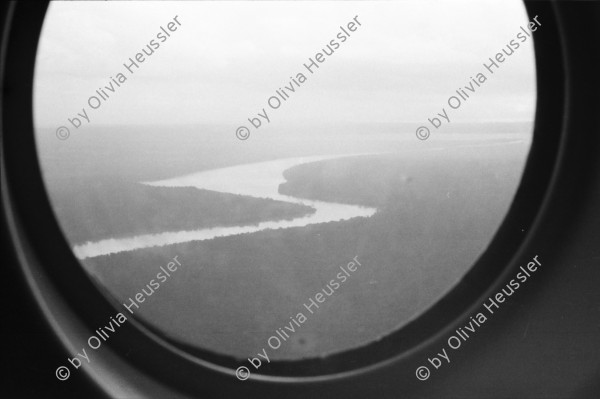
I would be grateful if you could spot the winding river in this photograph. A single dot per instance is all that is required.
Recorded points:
(260, 180)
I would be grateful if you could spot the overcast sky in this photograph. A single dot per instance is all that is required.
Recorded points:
(227, 58)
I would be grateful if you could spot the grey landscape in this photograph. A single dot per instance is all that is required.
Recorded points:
(263, 224)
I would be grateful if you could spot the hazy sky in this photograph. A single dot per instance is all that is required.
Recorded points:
(227, 58)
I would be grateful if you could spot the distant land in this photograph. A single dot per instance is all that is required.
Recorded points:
(439, 205)
(128, 208)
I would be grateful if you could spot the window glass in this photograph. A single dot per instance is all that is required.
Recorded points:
(318, 172)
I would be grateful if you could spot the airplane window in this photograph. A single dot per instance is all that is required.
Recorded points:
(299, 178)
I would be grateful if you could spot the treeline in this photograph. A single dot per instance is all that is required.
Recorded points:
(90, 210)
